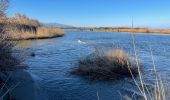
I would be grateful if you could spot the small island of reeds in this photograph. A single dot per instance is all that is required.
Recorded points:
(111, 65)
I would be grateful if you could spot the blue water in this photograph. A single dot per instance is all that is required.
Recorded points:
(56, 57)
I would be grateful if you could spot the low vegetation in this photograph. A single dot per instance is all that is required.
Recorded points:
(101, 65)
(122, 29)
(8, 60)
(21, 27)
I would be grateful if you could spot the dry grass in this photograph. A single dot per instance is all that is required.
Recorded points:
(41, 33)
(123, 29)
(21, 27)
(8, 60)
(158, 92)
(106, 65)
(20, 19)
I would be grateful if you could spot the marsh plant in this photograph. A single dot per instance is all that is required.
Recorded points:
(8, 60)
(21, 27)
(107, 65)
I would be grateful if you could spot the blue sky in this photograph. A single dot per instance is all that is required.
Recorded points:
(146, 13)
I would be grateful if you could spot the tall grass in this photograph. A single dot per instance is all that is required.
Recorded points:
(21, 27)
(108, 65)
(44, 32)
(8, 61)
(39, 33)
(20, 19)
(158, 92)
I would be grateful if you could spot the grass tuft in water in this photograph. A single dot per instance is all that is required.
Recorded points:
(111, 65)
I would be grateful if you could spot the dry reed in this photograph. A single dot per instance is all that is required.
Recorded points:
(106, 65)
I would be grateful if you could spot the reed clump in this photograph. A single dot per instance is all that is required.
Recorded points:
(43, 32)
(21, 27)
(20, 19)
(115, 64)
(8, 61)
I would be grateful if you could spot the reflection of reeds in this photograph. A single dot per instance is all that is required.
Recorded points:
(106, 65)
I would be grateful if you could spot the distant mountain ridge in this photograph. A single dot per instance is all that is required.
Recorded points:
(57, 25)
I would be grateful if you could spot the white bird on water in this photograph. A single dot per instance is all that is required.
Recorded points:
(81, 42)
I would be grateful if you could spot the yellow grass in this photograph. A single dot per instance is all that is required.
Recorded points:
(49, 32)
(106, 65)
(158, 92)
(21, 27)
(42, 32)
(124, 29)
(20, 19)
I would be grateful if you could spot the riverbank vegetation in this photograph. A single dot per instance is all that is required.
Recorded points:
(21, 27)
(123, 29)
(117, 64)
(111, 65)
(9, 61)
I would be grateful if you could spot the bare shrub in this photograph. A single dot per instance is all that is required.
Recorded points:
(3, 7)
(7, 60)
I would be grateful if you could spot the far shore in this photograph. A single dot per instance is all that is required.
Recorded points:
(123, 29)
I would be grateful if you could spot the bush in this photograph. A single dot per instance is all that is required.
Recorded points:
(101, 65)
(7, 60)
(22, 27)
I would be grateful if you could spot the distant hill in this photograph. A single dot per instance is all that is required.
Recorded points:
(57, 25)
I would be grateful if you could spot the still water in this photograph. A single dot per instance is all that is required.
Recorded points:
(56, 57)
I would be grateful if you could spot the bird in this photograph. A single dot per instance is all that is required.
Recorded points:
(81, 42)
(32, 54)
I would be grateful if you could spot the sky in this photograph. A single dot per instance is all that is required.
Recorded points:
(96, 13)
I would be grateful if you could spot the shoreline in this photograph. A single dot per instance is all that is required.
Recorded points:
(35, 38)
(130, 30)
(21, 27)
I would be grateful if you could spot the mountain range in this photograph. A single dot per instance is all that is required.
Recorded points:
(57, 25)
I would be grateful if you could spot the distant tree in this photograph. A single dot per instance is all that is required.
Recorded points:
(23, 19)
(7, 60)
(20, 16)
(3, 7)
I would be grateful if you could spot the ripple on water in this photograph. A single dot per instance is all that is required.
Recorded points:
(54, 59)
